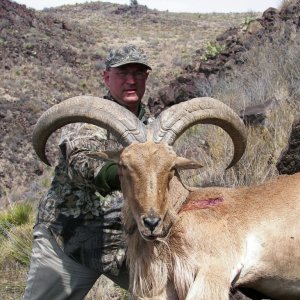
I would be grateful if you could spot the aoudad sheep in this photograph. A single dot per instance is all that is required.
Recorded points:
(186, 243)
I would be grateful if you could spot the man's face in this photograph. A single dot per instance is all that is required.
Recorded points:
(127, 84)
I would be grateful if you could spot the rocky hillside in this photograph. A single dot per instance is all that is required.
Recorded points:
(199, 78)
(47, 56)
(37, 61)
(50, 55)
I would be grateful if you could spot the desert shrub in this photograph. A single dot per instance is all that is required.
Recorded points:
(266, 74)
(16, 225)
(212, 147)
(178, 61)
(248, 19)
(212, 50)
(16, 229)
(16, 247)
(18, 214)
(28, 46)
(285, 3)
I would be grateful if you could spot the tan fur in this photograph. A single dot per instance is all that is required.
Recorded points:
(251, 238)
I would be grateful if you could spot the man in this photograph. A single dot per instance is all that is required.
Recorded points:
(78, 234)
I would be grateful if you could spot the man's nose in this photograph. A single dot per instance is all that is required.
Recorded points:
(130, 78)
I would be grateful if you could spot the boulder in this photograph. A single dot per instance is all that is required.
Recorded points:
(289, 160)
(257, 114)
(183, 88)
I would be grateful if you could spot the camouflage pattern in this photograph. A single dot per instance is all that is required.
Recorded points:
(86, 224)
(126, 55)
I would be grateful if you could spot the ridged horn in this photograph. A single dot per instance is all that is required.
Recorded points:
(87, 109)
(172, 122)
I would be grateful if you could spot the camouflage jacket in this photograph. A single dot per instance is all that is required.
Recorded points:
(86, 223)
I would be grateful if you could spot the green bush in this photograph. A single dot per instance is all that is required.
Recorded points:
(18, 214)
(249, 19)
(212, 50)
(28, 46)
(16, 225)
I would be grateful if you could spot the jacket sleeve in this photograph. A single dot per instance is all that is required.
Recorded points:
(79, 139)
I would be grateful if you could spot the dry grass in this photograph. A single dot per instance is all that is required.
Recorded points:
(285, 3)
(266, 74)
(105, 289)
(12, 282)
(16, 230)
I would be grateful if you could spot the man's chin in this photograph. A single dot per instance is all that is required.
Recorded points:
(131, 99)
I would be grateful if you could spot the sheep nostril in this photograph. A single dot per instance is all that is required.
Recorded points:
(151, 223)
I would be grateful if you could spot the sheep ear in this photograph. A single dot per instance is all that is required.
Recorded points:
(107, 155)
(183, 163)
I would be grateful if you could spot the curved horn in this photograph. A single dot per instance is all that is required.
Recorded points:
(172, 122)
(101, 112)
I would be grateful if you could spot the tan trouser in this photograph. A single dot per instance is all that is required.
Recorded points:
(55, 276)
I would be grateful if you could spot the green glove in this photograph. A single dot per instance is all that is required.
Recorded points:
(107, 180)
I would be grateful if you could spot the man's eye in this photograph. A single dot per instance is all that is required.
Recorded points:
(122, 74)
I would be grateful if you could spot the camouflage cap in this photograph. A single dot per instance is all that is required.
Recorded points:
(128, 54)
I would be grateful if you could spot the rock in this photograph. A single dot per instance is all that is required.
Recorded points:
(257, 114)
(254, 27)
(289, 160)
(228, 34)
(179, 90)
(290, 11)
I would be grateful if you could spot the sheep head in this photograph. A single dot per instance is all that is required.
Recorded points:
(145, 171)
(147, 163)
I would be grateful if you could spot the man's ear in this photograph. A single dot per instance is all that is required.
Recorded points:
(107, 155)
(106, 78)
(182, 163)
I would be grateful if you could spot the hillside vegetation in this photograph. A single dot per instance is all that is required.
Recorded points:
(47, 56)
